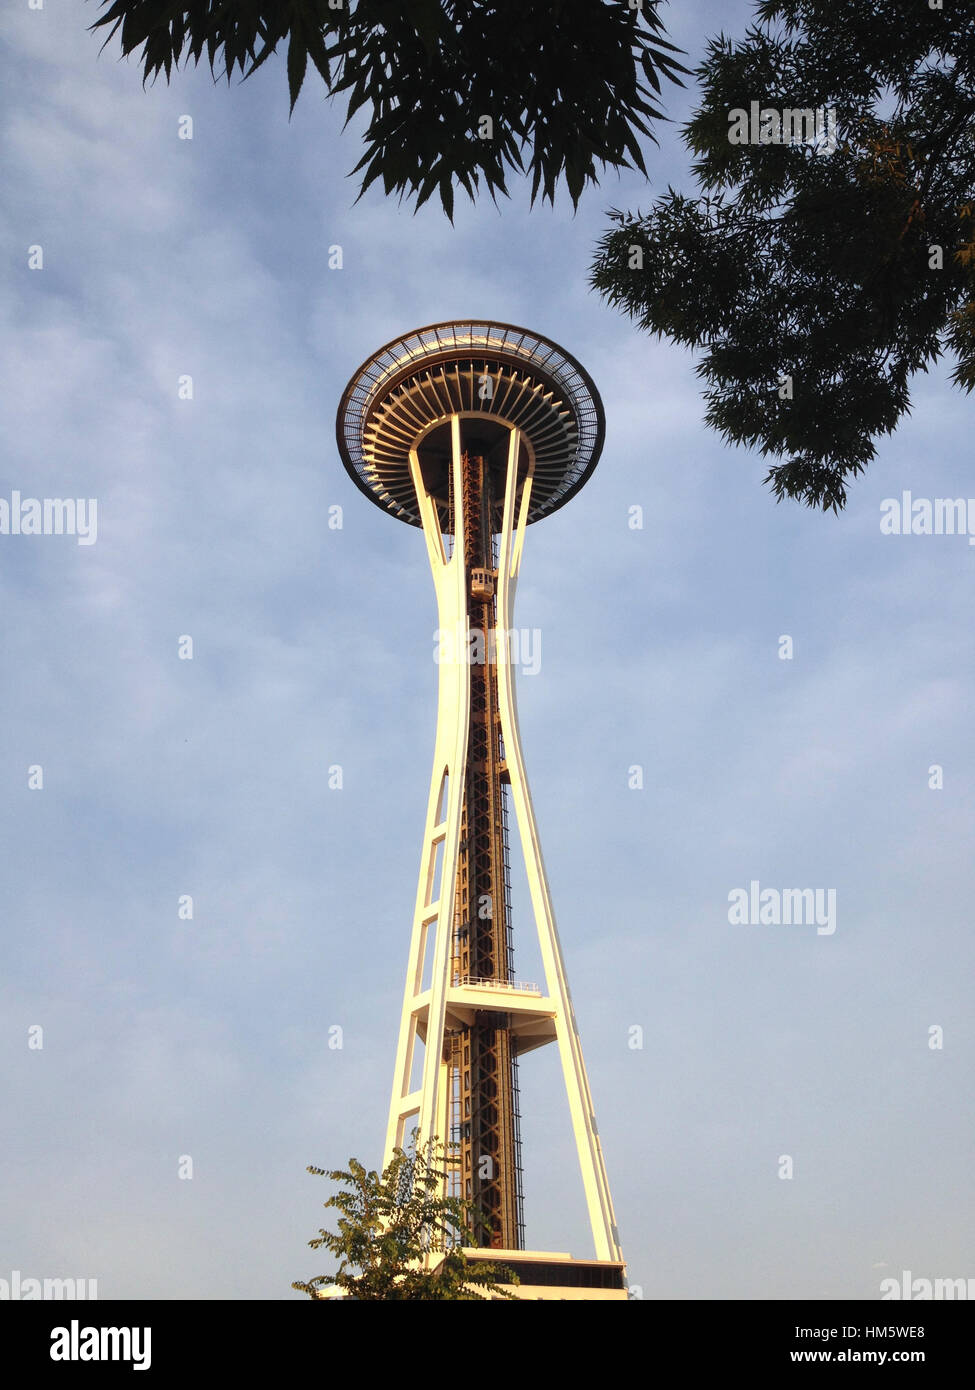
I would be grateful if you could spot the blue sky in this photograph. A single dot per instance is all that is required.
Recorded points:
(312, 647)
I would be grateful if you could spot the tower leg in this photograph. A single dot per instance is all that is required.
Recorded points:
(424, 1106)
(598, 1200)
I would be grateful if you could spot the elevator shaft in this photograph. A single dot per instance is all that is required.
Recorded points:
(481, 1056)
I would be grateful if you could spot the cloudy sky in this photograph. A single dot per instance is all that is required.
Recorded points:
(130, 778)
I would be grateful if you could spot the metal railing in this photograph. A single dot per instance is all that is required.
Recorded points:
(512, 986)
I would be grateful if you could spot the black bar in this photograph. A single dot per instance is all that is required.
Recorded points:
(314, 1338)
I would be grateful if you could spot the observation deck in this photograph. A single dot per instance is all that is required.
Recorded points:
(495, 377)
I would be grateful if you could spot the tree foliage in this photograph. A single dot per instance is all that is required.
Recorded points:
(387, 1223)
(563, 86)
(809, 276)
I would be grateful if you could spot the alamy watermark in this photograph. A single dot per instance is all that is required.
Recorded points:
(926, 1290)
(49, 516)
(814, 127)
(755, 906)
(77, 1343)
(521, 646)
(23, 1289)
(925, 516)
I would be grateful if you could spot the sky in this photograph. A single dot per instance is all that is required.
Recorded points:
(785, 1111)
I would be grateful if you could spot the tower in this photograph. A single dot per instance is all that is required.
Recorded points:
(472, 431)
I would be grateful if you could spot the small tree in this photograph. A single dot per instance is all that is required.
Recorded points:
(387, 1225)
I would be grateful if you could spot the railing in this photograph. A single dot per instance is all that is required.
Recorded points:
(517, 987)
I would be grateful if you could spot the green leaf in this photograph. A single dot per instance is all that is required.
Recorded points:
(297, 63)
